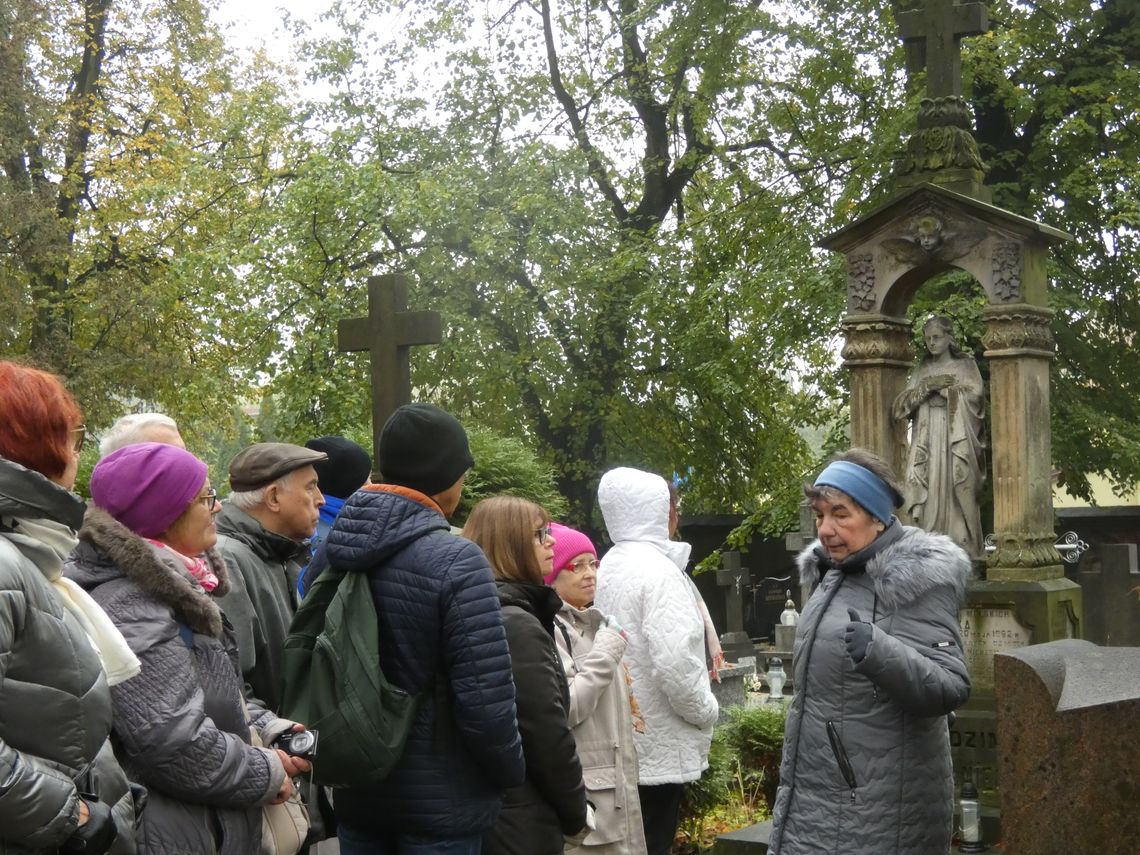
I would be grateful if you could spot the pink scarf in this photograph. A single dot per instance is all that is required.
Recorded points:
(197, 567)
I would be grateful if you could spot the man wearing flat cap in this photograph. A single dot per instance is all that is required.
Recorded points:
(441, 633)
(263, 534)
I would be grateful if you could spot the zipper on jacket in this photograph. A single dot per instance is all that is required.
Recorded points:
(841, 758)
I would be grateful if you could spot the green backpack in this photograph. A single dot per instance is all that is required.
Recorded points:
(333, 683)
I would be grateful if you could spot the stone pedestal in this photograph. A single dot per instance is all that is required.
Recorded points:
(730, 691)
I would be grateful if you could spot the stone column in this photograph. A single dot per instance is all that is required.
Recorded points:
(879, 356)
(1019, 347)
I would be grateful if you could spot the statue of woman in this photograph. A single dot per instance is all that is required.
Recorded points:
(946, 462)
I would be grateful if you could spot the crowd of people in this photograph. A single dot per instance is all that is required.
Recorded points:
(566, 700)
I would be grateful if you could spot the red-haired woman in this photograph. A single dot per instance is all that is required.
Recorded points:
(61, 787)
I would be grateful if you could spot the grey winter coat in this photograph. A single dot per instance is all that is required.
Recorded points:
(55, 706)
(180, 726)
(262, 598)
(602, 724)
(888, 711)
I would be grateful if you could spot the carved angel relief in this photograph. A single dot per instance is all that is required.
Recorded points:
(934, 235)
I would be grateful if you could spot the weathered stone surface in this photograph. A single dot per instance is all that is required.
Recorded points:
(747, 841)
(730, 691)
(1069, 762)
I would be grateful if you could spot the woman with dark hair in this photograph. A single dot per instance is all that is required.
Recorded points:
(515, 535)
(182, 727)
(878, 666)
(60, 789)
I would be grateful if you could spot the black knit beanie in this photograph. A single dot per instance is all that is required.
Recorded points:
(424, 448)
(347, 468)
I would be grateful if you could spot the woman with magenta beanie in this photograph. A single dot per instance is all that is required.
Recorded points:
(603, 714)
(181, 727)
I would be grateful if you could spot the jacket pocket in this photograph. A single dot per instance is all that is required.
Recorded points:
(841, 758)
(603, 790)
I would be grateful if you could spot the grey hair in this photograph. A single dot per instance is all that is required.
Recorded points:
(129, 429)
(247, 500)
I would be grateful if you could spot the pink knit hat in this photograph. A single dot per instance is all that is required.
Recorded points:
(147, 486)
(568, 544)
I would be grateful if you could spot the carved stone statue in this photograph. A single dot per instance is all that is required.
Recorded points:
(946, 461)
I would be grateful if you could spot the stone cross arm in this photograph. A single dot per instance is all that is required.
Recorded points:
(933, 34)
(387, 333)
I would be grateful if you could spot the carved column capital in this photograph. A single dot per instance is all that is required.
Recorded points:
(876, 340)
(1021, 330)
(1024, 555)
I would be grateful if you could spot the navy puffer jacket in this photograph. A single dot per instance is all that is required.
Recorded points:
(441, 632)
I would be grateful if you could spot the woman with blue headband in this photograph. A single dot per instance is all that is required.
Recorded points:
(878, 666)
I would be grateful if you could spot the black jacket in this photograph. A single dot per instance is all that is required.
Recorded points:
(552, 800)
(440, 632)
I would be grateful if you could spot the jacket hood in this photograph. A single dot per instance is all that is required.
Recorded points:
(26, 494)
(540, 600)
(234, 522)
(376, 523)
(635, 505)
(108, 550)
(903, 571)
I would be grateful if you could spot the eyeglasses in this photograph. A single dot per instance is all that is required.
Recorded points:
(78, 437)
(210, 499)
(583, 566)
(543, 534)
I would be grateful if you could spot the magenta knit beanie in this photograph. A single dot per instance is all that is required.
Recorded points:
(147, 486)
(568, 544)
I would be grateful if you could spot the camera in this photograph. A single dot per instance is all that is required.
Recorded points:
(300, 743)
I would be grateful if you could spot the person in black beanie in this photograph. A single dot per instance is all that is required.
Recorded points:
(347, 469)
(440, 631)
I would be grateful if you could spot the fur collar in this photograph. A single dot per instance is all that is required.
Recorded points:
(169, 584)
(905, 570)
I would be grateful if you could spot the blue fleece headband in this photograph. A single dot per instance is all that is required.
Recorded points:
(862, 485)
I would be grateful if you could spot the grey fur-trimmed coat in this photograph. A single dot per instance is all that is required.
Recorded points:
(888, 711)
(180, 728)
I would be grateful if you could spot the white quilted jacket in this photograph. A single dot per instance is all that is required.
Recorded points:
(641, 582)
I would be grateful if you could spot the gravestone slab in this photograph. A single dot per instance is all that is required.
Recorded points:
(1070, 762)
(768, 598)
(746, 841)
(730, 691)
(987, 631)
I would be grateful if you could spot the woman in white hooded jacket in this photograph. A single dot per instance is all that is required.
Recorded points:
(642, 583)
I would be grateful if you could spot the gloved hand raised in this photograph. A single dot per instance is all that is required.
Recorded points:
(611, 622)
(857, 637)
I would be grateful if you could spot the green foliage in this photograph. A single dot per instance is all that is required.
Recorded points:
(504, 465)
(739, 786)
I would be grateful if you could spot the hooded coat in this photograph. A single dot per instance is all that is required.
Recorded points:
(887, 712)
(602, 723)
(441, 633)
(180, 726)
(552, 800)
(642, 583)
(262, 597)
(55, 705)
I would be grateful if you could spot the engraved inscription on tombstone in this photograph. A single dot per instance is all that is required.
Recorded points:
(985, 632)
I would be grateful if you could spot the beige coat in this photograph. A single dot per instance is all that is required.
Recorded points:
(602, 723)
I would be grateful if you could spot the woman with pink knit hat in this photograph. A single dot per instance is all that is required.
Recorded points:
(603, 713)
(182, 725)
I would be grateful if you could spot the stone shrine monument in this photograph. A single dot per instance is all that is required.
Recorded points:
(387, 333)
(1070, 769)
(939, 219)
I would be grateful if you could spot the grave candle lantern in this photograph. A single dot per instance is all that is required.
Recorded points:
(971, 820)
(776, 679)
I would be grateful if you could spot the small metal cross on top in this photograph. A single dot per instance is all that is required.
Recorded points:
(387, 333)
(933, 35)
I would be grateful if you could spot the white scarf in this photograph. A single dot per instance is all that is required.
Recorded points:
(55, 542)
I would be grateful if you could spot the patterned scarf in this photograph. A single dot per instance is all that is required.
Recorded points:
(197, 567)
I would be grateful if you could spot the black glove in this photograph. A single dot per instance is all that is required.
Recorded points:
(857, 637)
(96, 835)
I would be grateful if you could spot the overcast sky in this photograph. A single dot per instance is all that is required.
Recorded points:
(253, 23)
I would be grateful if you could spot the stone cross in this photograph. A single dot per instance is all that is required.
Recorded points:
(933, 34)
(735, 642)
(387, 333)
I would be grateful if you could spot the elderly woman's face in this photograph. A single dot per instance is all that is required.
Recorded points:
(843, 525)
(194, 532)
